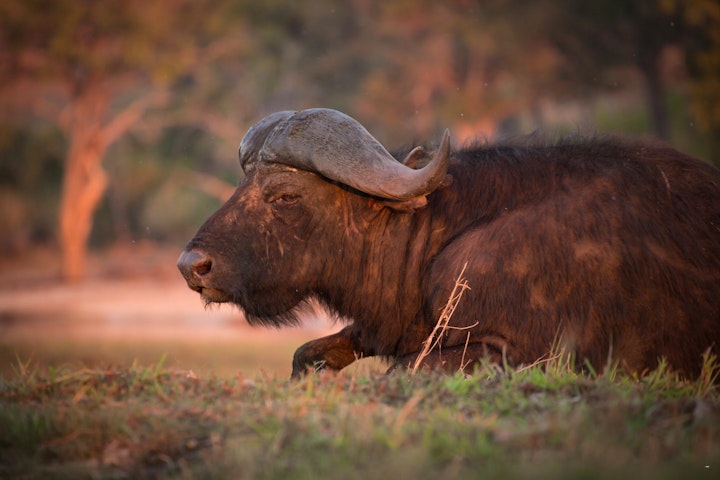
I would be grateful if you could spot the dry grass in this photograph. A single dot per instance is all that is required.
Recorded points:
(443, 323)
(539, 421)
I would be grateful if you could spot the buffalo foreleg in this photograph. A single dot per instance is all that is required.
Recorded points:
(333, 352)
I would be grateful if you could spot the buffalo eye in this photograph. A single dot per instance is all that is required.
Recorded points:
(286, 199)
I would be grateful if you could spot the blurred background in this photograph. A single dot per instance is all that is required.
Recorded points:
(120, 120)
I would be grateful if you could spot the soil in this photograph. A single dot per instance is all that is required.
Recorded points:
(131, 292)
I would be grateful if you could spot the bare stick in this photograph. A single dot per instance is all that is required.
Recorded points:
(443, 322)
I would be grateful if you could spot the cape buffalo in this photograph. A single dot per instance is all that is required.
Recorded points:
(607, 247)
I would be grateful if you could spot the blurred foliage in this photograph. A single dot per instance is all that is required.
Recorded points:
(701, 21)
(30, 172)
(406, 69)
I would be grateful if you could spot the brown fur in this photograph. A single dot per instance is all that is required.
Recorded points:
(612, 248)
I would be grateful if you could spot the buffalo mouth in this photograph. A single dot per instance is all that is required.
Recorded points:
(209, 294)
(268, 313)
(212, 295)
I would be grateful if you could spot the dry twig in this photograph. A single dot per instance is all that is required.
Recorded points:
(443, 323)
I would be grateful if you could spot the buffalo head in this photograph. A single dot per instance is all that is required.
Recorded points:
(313, 180)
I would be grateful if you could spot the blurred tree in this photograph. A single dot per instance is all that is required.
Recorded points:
(461, 63)
(700, 38)
(597, 38)
(307, 53)
(28, 189)
(470, 64)
(95, 69)
(298, 55)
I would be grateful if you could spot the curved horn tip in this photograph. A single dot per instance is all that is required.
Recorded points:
(445, 142)
(443, 150)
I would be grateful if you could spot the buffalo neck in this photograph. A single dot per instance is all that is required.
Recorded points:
(375, 280)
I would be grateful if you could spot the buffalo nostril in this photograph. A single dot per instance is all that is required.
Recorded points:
(202, 267)
(194, 263)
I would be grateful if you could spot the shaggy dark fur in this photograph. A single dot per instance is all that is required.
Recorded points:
(610, 248)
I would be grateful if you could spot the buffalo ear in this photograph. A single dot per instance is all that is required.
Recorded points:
(409, 206)
(402, 206)
(415, 159)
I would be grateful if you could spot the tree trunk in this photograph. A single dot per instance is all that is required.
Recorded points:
(83, 185)
(90, 133)
(84, 182)
(649, 61)
(656, 102)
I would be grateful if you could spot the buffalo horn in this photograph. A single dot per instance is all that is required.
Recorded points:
(254, 139)
(338, 147)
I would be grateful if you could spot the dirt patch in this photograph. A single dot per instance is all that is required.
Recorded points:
(131, 295)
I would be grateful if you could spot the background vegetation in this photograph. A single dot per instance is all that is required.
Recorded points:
(119, 117)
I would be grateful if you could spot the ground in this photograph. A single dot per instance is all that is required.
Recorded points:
(134, 305)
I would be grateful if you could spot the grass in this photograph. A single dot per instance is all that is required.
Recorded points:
(541, 421)
(218, 356)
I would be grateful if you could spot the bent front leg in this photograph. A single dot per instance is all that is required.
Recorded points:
(333, 352)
